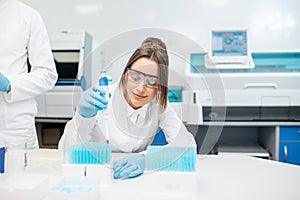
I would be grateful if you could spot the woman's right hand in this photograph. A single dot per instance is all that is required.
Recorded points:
(91, 101)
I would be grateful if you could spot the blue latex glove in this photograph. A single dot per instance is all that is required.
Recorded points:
(129, 167)
(4, 83)
(91, 101)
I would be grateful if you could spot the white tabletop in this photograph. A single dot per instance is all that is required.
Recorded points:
(217, 177)
(244, 177)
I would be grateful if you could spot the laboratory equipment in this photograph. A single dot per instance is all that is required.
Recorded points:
(268, 92)
(166, 165)
(102, 172)
(44, 161)
(175, 94)
(72, 54)
(103, 82)
(91, 101)
(2, 159)
(171, 159)
(249, 106)
(229, 49)
(88, 160)
(16, 161)
(88, 153)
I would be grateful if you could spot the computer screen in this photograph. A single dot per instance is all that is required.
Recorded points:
(229, 43)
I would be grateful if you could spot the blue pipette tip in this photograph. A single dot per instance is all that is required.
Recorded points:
(103, 81)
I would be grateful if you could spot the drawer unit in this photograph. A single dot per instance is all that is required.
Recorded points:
(289, 152)
(289, 145)
(290, 133)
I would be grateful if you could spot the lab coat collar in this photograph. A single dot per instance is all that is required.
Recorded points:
(130, 111)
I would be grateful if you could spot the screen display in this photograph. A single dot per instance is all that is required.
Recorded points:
(229, 43)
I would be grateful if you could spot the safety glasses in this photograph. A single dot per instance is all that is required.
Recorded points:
(138, 76)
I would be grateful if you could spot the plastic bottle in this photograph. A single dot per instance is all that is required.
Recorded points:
(103, 82)
(2, 158)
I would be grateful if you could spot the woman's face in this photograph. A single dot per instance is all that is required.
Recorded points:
(142, 80)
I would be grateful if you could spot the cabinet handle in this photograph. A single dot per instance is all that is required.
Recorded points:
(285, 153)
(260, 85)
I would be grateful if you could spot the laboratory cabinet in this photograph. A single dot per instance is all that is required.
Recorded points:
(278, 141)
(49, 131)
(289, 145)
(243, 138)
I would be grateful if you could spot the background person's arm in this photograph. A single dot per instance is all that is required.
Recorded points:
(43, 75)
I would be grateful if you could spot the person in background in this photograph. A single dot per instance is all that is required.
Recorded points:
(138, 107)
(23, 40)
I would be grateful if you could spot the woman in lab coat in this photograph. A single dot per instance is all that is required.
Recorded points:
(23, 38)
(137, 108)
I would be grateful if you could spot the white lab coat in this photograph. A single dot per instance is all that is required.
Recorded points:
(129, 130)
(23, 36)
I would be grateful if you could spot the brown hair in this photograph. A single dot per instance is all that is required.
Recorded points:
(155, 50)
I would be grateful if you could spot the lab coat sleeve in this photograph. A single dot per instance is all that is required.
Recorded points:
(78, 130)
(174, 130)
(43, 75)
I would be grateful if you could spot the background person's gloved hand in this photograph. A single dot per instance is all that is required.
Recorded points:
(91, 101)
(4, 83)
(129, 167)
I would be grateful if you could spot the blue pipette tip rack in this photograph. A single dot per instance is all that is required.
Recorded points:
(171, 159)
(89, 153)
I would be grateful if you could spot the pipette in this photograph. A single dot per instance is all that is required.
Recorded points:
(103, 82)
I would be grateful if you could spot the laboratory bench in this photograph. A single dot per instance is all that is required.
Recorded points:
(279, 141)
(253, 111)
(216, 177)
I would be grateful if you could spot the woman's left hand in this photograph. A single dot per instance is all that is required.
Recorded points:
(129, 167)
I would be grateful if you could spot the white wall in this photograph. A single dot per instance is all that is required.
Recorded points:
(272, 24)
